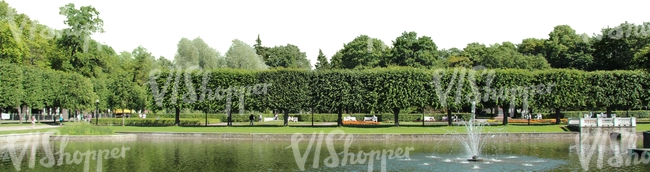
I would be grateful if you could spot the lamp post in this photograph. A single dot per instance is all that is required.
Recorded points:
(96, 112)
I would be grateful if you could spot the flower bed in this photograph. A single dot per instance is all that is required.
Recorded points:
(360, 123)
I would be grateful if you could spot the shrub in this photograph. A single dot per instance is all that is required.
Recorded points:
(360, 123)
(84, 128)
(148, 121)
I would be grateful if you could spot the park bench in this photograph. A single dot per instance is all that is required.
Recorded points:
(349, 118)
(370, 119)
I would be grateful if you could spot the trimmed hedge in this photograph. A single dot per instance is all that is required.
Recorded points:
(307, 117)
(148, 121)
(579, 114)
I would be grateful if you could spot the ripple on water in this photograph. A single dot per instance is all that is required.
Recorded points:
(495, 160)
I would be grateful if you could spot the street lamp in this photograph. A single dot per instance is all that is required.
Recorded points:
(96, 112)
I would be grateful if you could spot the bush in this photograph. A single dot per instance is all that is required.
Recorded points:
(360, 123)
(84, 128)
(148, 121)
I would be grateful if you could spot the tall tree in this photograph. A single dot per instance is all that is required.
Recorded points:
(209, 58)
(337, 60)
(186, 54)
(259, 49)
(363, 52)
(143, 63)
(409, 50)
(197, 53)
(82, 23)
(566, 49)
(614, 49)
(243, 56)
(322, 63)
(288, 56)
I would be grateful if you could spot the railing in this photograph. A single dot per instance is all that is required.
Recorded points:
(603, 122)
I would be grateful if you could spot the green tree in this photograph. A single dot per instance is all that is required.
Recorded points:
(288, 56)
(125, 94)
(532, 46)
(143, 62)
(186, 54)
(363, 52)
(615, 48)
(566, 49)
(12, 50)
(322, 63)
(243, 56)
(409, 50)
(163, 63)
(82, 23)
(337, 60)
(11, 89)
(261, 50)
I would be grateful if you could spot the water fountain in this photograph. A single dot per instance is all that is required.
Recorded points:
(474, 140)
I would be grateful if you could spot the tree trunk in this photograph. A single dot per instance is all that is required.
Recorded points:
(423, 116)
(206, 118)
(229, 119)
(177, 121)
(123, 118)
(396, 115)
(609, 112)
(557, 116)
(339, 112)
(506, 115)
(286, 117)
(449, 117)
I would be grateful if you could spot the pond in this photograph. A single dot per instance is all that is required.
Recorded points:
(167, 154)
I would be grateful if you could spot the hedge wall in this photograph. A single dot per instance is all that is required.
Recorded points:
(390, 90)
(148, 122)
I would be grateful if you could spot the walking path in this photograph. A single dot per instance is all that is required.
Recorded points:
(25, 127)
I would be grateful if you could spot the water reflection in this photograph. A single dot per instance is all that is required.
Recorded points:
(247, 155)
(602, 148)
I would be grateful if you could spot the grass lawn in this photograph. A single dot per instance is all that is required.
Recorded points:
(17, 125)
(378, 129)
(351, 130)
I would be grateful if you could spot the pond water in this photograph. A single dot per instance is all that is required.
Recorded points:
(254, 155)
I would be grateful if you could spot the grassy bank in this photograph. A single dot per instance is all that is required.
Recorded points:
(104, 130)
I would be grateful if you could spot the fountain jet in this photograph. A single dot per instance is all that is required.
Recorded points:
(474, 140)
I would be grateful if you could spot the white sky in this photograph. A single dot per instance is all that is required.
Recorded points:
(159, 25)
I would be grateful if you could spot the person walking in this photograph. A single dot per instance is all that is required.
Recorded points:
(33, 121)
(251, 118)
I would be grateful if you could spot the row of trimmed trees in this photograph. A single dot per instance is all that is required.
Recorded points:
(26, 88)
(395, 89)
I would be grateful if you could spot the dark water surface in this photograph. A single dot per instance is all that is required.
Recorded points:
(159, 155)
